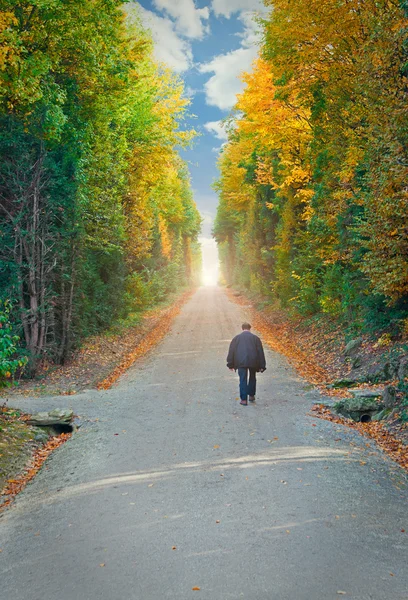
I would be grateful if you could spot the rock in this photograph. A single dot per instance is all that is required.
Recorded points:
(356, 407)
(353, 346)
(41, 436)
(378, 371)
(389, 396)
(383, 414)
(366, 393)
(54, 417)
(403, 367)
(357, 362)
(362, 404)
(343, 383)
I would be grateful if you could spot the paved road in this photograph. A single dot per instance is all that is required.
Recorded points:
(177, 486)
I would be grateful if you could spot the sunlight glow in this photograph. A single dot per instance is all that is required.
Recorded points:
(210, 273)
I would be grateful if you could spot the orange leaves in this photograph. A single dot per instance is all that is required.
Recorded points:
(14, 486)
(396, 449)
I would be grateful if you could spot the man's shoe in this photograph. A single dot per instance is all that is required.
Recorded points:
(244, 402)
(252, 398)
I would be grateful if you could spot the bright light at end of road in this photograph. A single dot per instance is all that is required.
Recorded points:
(210, 272)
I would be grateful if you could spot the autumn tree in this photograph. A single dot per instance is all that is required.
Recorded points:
(323, 120)
(86, 117)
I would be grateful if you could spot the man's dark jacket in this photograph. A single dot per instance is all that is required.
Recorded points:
(246, 351)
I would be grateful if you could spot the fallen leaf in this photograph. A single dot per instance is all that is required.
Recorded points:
(150, 485)
(102, 565)
(216, 446)
(340, 593)
(196, 588)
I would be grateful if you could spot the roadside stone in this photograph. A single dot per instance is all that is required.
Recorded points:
(343, 383)
(357, 362)
(379, 371)
(392, 367)
(354, 408)
(353, 346)
(403, 368)
(362, 404)
(54, 417)
(41, 436)
(380, 416)
(389, 396)
(367, 393)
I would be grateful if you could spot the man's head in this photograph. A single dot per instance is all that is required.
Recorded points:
(246, 326)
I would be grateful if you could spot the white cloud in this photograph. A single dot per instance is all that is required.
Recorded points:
(169, 47)
(188, 18)
(189, 92)
(217, 129)
(226, 8)
(222, 88)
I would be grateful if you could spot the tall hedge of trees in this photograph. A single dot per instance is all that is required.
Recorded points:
(97, 217)
(313, 181)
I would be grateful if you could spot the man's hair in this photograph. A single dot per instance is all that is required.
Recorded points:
(246, 326)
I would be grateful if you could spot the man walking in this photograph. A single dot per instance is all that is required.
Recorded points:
(246, 354)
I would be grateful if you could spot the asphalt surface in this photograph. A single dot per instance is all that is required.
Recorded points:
(171, 484)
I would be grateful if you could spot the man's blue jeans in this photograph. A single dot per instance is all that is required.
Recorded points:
(247, 386)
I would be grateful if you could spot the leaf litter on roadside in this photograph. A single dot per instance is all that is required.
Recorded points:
(14, 486)
(396, 449)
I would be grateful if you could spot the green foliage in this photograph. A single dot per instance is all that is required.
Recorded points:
(93, 192)
(10, 361)
(313, 196)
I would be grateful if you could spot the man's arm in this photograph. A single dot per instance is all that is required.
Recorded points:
(261, 356)
(231, 353)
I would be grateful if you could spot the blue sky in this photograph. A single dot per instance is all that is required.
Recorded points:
(209, 43)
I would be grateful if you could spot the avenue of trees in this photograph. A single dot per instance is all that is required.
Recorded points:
(97, 219)
(313, 180)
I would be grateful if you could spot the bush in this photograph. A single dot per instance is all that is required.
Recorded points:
(9, 361)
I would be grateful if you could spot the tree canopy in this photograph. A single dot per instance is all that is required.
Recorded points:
(97, 214)
(313, 194)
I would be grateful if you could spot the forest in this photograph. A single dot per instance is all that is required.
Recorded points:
(313, 179)
(97, 218)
